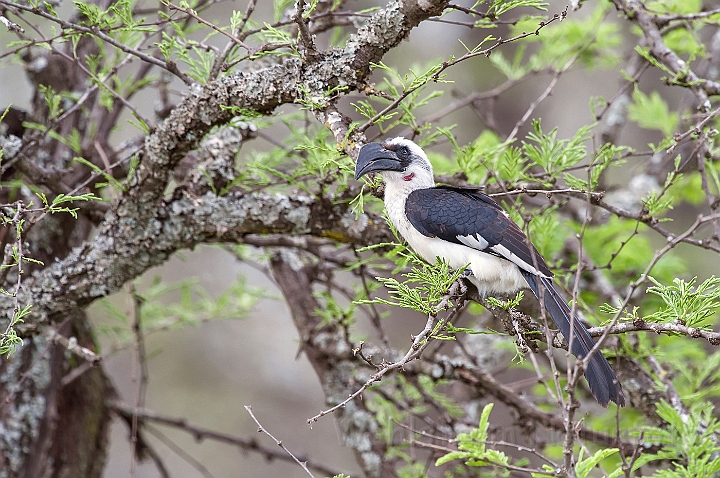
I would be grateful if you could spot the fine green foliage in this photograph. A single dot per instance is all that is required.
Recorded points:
(173, 306)
(423, 287)
(592, 40)
(585, 466)
(688, 440)
(621, 246)
(56, 205)
(9, 339)
(473, 449)
(652, 112)
(680, 303)
(509, 304)
(15, 216)
(554, 155)
(699, 379)
(686, 303)
(408, 91)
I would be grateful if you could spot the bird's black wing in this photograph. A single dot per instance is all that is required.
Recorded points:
(467, 216)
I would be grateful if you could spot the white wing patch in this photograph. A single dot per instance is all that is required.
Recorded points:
(476, 241)
(504, 252)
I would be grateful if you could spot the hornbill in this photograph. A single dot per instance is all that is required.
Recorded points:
(464, 226)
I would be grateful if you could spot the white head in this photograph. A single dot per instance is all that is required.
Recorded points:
(400, 162)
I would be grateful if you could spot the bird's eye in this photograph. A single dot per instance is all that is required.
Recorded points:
(403, 151)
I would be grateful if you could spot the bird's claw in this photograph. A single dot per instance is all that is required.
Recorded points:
(462, 284)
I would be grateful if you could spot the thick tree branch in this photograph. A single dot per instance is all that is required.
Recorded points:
(142, 230)
(102, 266)
(336, 372)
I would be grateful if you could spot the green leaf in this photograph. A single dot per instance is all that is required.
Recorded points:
(514, 70)
(423, 288)
(688, 442)
(675, 6)
(499, 7)
(584, 467)
(116, 184)
(652, 112)
(552, 154)
(52, 100)
(683, 42)
(472, 446)
(487, 153)
(592, 39)
(506, 305)
(693, 306)
(280, 6)
(620, 244)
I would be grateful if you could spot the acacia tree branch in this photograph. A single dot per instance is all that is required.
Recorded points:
(103, 266)
(167, 65)
(278, 442)
(650, 26)
(142, 229)
(659, 328)
(336, 370)
(456, 368)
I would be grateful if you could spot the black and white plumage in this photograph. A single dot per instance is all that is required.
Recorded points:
(464, 226)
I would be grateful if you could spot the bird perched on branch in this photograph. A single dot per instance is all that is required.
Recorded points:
(464, 226)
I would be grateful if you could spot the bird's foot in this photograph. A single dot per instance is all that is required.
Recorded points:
(463, 283)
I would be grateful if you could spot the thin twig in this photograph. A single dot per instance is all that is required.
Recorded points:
(305, 35)
(447, 64)
(419, 344)
(200, 433)
(185, 456)
(262, 429)
(72, 346)
(169, 66)
(139, 358)
(191, 13)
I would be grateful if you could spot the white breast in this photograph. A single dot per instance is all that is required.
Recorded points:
(491, 274)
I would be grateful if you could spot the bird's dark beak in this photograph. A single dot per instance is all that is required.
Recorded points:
(374, 157)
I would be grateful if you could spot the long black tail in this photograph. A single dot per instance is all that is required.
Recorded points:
(603, 383)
